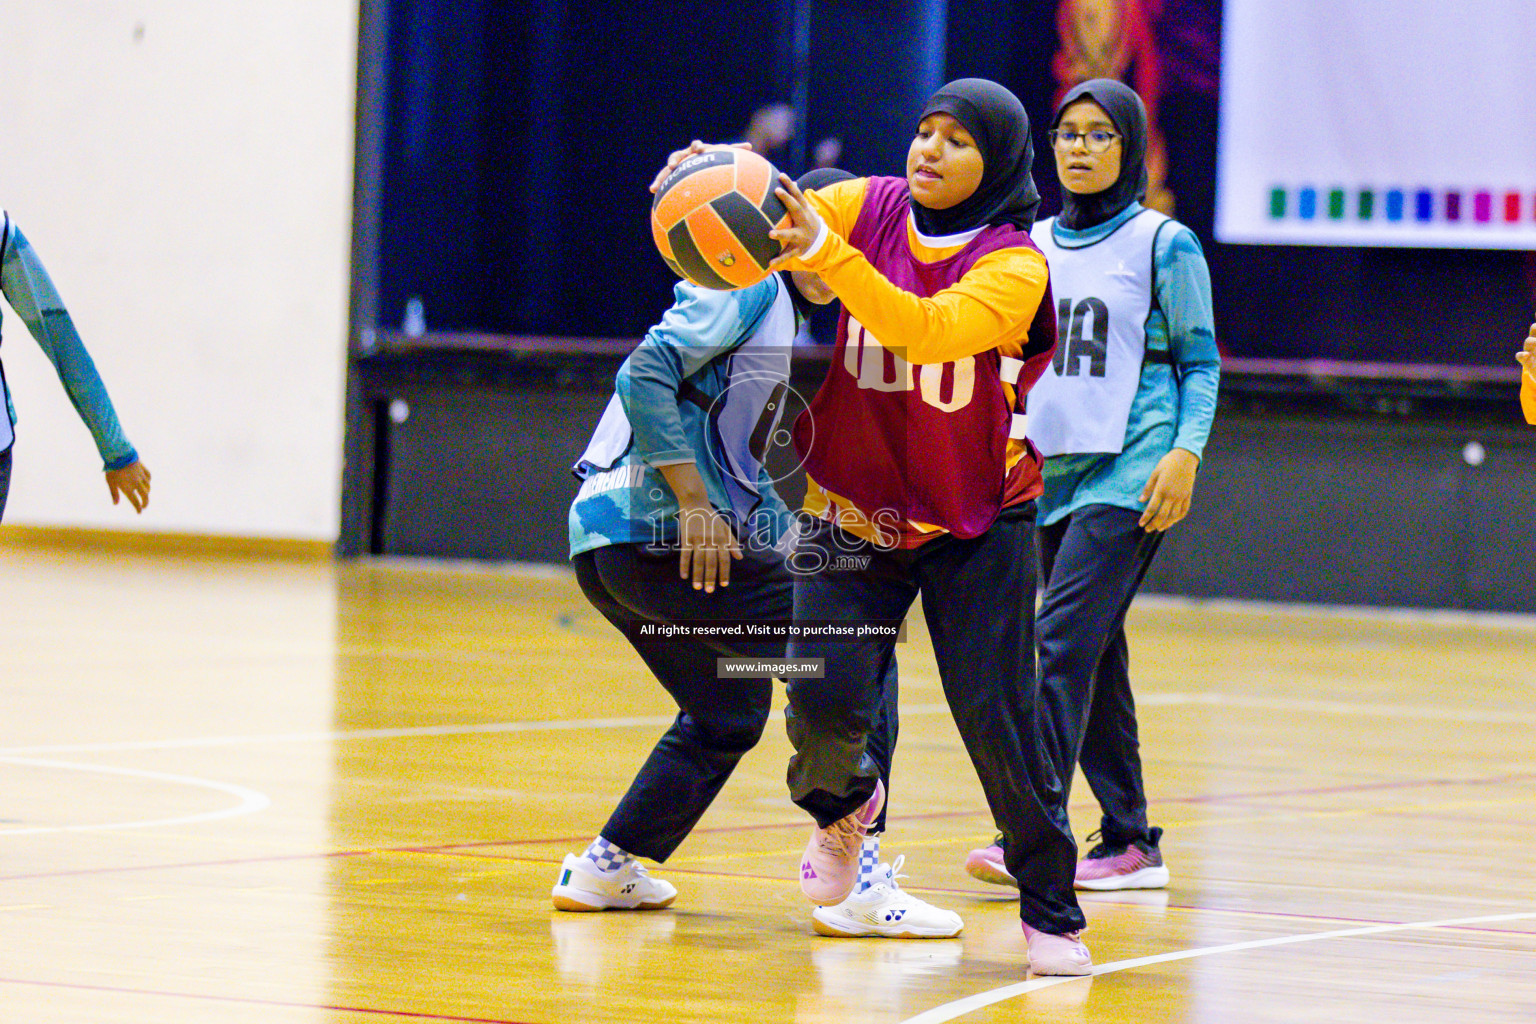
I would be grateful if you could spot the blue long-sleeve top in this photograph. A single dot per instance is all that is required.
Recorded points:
(31, 294)
(1174, 404)
(630, 501)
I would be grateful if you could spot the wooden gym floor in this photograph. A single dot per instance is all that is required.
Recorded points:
(239, 790)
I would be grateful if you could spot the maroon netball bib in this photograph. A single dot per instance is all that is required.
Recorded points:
(911, 442)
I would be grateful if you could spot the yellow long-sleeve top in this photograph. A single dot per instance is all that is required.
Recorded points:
(1528, 396)
(992, 307)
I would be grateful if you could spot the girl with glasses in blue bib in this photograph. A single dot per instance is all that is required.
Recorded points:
(1122, 417)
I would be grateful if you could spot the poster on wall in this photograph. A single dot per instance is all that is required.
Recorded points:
(1378, 123)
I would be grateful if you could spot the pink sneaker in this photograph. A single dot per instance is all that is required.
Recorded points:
(1057, 954)
(987, 865)
(830, 866)
(1136, 866)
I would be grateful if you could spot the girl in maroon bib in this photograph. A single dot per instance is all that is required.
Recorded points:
(948, 321)
(934, 451)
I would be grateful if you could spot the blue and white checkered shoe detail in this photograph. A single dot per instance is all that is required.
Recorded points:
(888, 911)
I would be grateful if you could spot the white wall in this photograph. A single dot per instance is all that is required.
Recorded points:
(184, 170)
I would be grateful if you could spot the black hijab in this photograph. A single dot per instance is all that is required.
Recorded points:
(1125, 109)
(997, 121)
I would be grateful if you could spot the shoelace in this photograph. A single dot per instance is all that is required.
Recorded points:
(841, 838)
(1102, 850)
(886, 874)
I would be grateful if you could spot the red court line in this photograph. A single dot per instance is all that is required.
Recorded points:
(995, 895)
(258, 1002)
(1000, 895)
(770, 826)
(1363, 787)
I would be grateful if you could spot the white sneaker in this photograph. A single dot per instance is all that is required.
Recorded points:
(583, 887)
(887, 910)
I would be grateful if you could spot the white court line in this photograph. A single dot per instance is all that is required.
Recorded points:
(250, 800)
(1293, 609)
(1402, 616)
(961, 1007)
(556, 725)
(1429, 712)
(356, 734)
(1339, 707)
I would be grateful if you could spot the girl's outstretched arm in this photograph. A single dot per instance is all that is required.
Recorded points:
(28, 288)
(993, 305)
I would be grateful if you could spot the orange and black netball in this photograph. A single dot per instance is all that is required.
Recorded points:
(711, 218)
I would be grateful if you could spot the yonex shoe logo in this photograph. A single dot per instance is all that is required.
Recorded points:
(895, 915)
(806, 871)
(628, 889)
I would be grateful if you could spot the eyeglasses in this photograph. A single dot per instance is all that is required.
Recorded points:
(1096, 141)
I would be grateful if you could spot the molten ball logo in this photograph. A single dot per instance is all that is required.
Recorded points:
(727, 258)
